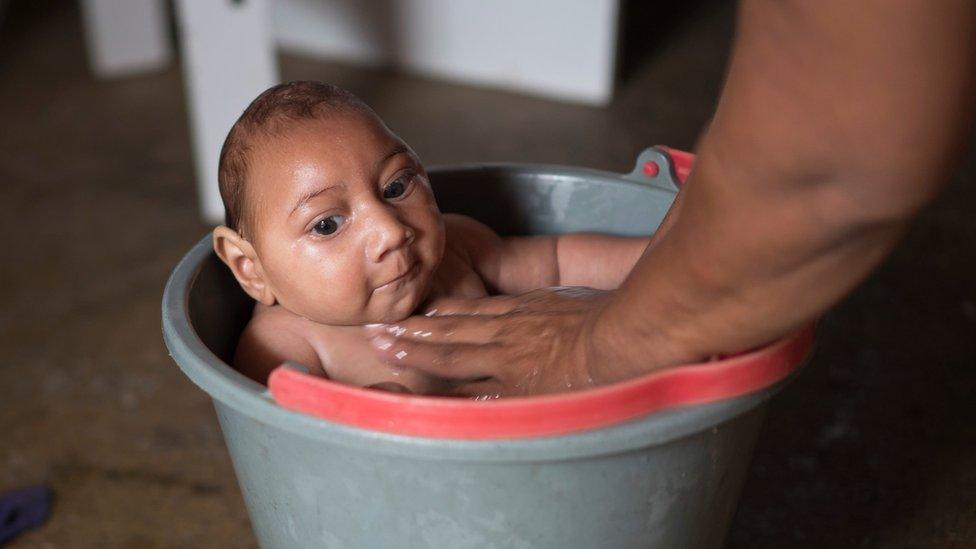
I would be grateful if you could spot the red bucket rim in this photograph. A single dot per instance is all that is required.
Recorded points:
(545, 415)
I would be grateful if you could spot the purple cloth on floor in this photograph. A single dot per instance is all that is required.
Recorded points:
(22, 510)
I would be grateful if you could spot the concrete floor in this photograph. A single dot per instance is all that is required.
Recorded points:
(874, 445)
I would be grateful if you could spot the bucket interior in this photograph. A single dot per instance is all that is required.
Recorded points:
(218, 308)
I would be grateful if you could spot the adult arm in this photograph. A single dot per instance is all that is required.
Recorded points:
(838, 121)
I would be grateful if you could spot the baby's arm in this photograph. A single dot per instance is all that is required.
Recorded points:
(595, 260)
(265, 344)
(519, 264)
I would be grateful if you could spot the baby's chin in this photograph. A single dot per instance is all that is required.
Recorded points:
(376, 313)
(396, 313)
(360, 320)
(402, 308)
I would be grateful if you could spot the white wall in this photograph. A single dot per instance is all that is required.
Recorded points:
(562, 49)
(556, 48)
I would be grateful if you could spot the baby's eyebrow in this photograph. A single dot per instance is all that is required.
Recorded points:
(302, 200)
(399, 149)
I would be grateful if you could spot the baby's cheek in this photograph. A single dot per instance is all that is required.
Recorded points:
(435, 235)
(333, 295)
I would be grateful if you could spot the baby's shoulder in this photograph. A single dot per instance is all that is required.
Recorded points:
(459, 224)
(272, 336)
(468, 235)
(266, 321)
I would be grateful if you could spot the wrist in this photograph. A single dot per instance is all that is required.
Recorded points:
(622, 348)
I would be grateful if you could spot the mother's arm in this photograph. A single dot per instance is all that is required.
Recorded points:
(838, 121)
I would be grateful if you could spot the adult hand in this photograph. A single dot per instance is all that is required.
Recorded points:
(777, 224)
(535, 343)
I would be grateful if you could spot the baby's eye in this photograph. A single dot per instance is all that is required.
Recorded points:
(328, 225)
(397, 187)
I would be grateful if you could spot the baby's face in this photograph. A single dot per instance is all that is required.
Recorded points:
(345, 224)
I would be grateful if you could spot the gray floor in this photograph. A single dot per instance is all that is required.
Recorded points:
(874, 445)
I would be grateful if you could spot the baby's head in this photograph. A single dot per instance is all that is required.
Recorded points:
(329, 213)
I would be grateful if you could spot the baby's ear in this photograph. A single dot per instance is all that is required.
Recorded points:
(243, 261)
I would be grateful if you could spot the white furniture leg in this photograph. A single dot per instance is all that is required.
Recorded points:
(228, 58)
(125, 36)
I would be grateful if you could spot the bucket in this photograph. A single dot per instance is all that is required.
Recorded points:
(657, 461)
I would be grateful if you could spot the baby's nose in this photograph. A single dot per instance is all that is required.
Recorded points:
(388, 232)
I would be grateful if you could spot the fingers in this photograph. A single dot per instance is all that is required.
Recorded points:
(452, 361)
(555, 298)
(390, 387)
(494, 305)
(438, 329)
(481, 389)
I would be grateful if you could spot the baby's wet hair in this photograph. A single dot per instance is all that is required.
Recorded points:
(271, 112)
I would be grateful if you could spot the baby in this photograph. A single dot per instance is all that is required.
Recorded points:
(331, 224)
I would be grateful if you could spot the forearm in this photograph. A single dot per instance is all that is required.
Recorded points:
(732, 276)
(837, 122)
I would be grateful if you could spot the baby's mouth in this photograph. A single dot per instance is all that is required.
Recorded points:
(400, 278)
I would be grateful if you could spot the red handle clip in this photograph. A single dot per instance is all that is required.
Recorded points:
(682, 161)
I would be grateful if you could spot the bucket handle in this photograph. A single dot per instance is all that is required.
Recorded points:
(662, 167)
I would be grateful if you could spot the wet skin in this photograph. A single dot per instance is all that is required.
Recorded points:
(344, 231)
(832, 132)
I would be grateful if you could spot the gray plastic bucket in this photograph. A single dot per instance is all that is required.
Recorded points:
(668, 479)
